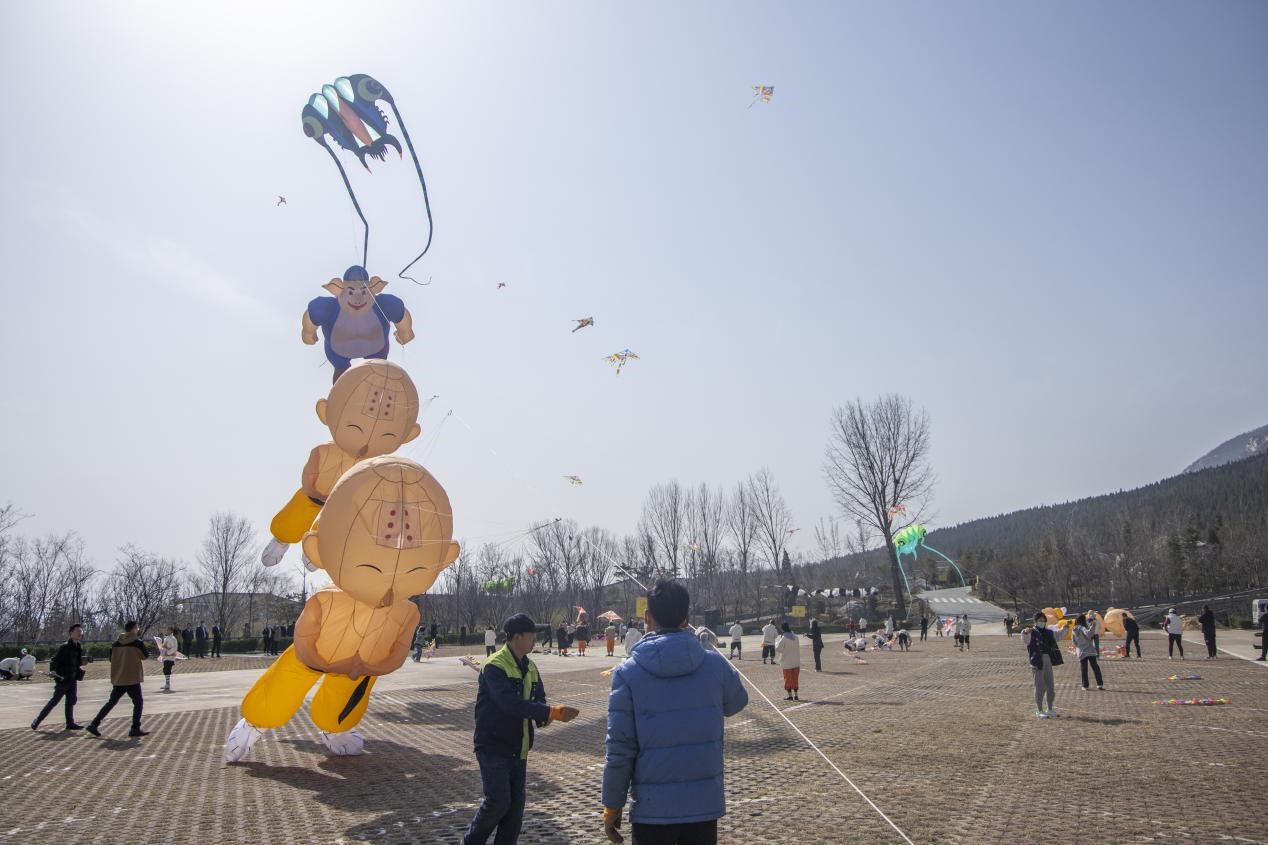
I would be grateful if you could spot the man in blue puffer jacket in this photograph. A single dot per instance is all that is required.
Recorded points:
(664, 744)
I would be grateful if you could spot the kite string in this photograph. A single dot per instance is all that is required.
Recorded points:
(418, 168)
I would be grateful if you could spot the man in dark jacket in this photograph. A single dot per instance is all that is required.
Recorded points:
(1132, 629)
(267, 638)
(216, 637)
(1263, 636)
(187, 640)
(669, 765)
(200, 638)
(127, 671)
(511, 698)
(66, 668)
(1207, 621)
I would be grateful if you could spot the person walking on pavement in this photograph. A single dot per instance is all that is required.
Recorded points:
(267, 639)
(1132, 629)
(216, 637)
(788, 650)
(1085, 646)
(737, 644)
(491, 640)
(462, 635)
(1174, 626)
(1040, 645)
(127, 671)
(583, 639)
(1097, 624)
(562, 636)
(1207, 621)
(769, 634)
(187, 640)
(816, 643)
(937, 625)
(966, 628)
(511, 699)
(924, 628)
(676, 789)
(67, 670)
(958, 628)
(200, 640)
(609, 638)
(167, 653)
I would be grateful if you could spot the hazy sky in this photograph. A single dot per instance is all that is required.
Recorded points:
(1045, 223)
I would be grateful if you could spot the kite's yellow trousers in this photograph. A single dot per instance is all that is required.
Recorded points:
(280, 691)
(293, 520)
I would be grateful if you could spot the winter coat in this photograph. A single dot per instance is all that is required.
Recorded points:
(664, 742)
(1207, 621)
(67, 663)
(1173, 624)
(169, 649)
(126, 656)
(769, 633)
(1130, 626)
(737, 631)
(511, 697)
(1039, 641)
(788, 651)
(816, 637)
(1083, 641)
(632, 637)
(490, 637)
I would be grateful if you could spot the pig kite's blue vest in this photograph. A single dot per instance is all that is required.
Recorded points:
(346, 333)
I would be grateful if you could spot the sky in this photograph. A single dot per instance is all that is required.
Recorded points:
(1046, 224)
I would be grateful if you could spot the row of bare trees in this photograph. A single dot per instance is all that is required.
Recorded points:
(47, 583)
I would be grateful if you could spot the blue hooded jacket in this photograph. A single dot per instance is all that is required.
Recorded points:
(664, 740)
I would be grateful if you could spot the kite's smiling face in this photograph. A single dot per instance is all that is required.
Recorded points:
(372, 409)
(384, 533)
(355, 295)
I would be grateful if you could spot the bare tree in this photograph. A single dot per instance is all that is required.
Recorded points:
(665, 515)
(227, 561)
(877, 457)
(770, 511)
(142, 587)
(741, 520)
(828, 539)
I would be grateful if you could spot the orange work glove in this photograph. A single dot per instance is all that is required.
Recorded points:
(562, 713)
(612, 824)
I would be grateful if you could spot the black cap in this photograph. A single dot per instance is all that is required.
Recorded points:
(520, 623)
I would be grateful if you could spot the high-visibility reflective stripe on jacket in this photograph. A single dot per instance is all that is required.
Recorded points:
(509, 701)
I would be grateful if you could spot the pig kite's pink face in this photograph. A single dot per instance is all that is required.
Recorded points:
(356, 296)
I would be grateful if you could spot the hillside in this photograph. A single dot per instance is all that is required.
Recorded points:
(1242, 446)
(1198, 531)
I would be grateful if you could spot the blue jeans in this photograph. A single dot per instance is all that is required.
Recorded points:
(503, 781)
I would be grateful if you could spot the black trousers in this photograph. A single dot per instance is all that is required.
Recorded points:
(62, 691)
(818, 665)
(215, 648)
(133, 692)
(489, 649)
(1173, 642)
(1210, 643)
(924, 634)
(202, 648)
(1096, 670)
(768, 651)
(737, 647)
(1132, 637)
(696, 833)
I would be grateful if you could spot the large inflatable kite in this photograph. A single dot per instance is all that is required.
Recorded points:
(384, 535)
(371, 410)
(354, 320)
(348, 112)
(911, 538)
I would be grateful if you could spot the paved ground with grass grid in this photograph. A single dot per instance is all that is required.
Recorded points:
(944, 742)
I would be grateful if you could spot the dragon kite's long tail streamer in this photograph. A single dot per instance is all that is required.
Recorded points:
(365, 244)
(418, 168)
(954, 565)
